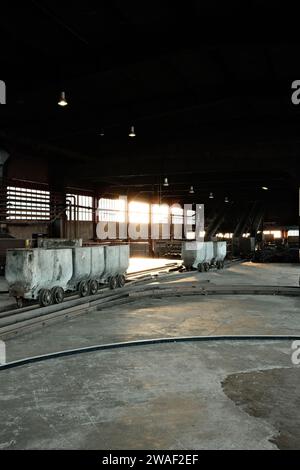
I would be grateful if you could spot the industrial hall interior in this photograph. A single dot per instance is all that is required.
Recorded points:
(149, 227)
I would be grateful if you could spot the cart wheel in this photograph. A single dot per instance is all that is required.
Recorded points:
(200, 267)
(93, 286)
(112, 282)
(20, 302)
(218, 264)
(222, 264)
(57, 295)
(121, 280)
(83, 288)
(206, 267)
(45, 297)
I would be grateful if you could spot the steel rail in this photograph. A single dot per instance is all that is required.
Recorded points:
(29, 318)
(143, 342)
(44, 316)
(131, 278)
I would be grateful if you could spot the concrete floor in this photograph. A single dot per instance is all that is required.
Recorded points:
(197, 315)
(140, 264)
(181, 396)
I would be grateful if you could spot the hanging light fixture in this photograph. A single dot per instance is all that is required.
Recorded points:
(102, 132)
(166, 182)
(131, 133)
(211, 195)
(192, 190)
(226, 199)
(62, 101)
(264, 188)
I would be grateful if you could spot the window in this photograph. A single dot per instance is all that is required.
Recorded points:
(138, 212)
(81, 207)
(275, 233)
(224, 235)
(27, 204)
(177, 215)
(190, 217)
(190, 235)
(293, 233)
(112, 210)
(160, 213)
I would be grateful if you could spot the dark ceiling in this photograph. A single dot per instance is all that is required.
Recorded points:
(207, 87)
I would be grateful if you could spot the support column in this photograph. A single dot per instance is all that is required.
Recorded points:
(57, 206)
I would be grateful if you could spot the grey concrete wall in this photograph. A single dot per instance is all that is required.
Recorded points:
(26, 231)
(84, 230)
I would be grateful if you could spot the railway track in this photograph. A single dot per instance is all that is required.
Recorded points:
(144, 342)
(139, 285)
(134, 276)
(15, 320)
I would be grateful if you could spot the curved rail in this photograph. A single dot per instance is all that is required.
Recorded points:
(144, 342)
(17, 321)
(136, 277)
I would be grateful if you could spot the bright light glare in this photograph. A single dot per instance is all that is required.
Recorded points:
(160, 213)
(177, 214)
(138, 212)
(62, 103)
(293, 233)
(275, 233)
(111, 210)
(224, 235)
(190, 236)
(140, 264)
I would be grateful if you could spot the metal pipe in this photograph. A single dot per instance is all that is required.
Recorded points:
(72, 196)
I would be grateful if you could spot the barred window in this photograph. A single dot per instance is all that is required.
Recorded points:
(293, 233)
(275, 233)
(111, 210)
(177, 214)
(138, 212)
(80, 207)
(160, 213)
(190, 217)
(27, 204)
